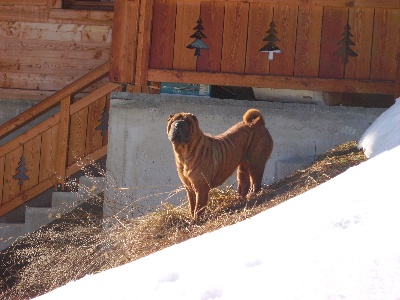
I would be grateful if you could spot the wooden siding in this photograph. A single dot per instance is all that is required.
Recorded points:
(309, 34)
(43, 48)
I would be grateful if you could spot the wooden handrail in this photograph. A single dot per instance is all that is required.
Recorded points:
(52, 101)
(50, 146)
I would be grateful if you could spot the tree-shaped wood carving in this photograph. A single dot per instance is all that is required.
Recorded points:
(271, 38)
(345, 51)
(198, 44)
(21, 171)
(103, 122)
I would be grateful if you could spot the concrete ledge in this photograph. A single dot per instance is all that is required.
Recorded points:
(140, 163)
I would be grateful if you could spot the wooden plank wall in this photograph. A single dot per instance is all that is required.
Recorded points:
(43, 48)
(308, 37)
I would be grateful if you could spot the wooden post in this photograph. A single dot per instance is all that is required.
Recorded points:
(144, 42)
(397, 78)
(124, 41)
(63, 140)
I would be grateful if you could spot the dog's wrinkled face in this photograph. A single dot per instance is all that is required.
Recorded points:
(181, 127)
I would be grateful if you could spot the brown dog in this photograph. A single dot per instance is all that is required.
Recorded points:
(205, 162)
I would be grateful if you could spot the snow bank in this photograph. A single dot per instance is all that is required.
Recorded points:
(384, 133)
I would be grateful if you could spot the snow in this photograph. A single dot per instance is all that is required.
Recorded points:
(383, 134)
(339, 240)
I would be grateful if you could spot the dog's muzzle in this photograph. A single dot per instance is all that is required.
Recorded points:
(180, 132)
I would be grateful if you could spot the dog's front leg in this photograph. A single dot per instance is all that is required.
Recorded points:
(201, 201)
(192, 201)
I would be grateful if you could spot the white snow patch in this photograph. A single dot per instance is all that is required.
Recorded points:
(383, 134)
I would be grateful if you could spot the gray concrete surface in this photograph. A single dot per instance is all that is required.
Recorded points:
(141, 171)
(11, 108)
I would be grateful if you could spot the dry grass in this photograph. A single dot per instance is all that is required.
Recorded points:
(77, 244)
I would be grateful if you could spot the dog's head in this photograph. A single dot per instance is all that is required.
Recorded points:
(181, 127)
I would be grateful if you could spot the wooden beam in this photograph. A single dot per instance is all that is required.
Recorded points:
(62, 144)
(277, 82)
(124, 41)
(343, 3)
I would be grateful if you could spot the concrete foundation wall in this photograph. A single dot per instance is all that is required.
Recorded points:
(141, 169)
(11, 108)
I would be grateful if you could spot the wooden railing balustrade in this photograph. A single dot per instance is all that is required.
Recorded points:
(45, 155)
(325, 45)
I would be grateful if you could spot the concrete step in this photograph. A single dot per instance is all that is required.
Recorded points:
(36, 217)
(10, 232)
(62, 203)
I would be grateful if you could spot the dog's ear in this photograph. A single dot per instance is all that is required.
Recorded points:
(194, 117)
(169, 123)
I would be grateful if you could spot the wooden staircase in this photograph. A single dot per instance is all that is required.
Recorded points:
(45, 155)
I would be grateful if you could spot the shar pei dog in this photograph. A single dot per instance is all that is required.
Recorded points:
(205, 162)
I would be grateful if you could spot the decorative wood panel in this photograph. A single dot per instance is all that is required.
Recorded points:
(48, 153)
(260, 16)
(234, 37)
(385, 44)
(187, 14)
(285, 19)
(317, 39)
(11, 188)
(309, 26)
(32, 158)
(163, 34)
(212, 14)
(361, 21)
(334, 21)
(77, 138)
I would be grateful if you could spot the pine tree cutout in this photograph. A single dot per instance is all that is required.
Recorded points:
(103, 122)
(345, 51)
(21, 171)
(271, 38)
(198, 44)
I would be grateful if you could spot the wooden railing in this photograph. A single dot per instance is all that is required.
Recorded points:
(48, 153)
(326, 45)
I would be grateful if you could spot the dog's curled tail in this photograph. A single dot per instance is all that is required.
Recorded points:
(253, 118)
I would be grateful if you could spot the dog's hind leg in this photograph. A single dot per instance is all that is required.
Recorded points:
(243, 179)
(256, 176)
